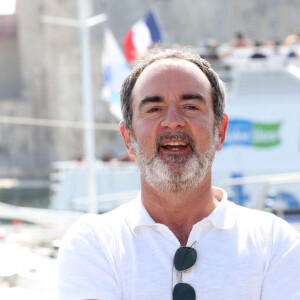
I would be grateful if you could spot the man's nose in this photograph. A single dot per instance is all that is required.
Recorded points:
(173, 119)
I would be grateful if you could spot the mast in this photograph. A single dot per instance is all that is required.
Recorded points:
(83, 23)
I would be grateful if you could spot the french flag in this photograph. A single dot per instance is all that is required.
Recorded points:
(142, 36)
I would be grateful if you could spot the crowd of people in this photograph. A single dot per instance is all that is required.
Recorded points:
(241, 46)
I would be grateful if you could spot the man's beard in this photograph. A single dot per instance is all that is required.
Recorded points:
(190, 169)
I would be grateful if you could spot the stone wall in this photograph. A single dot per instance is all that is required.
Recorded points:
(49, 63)
(51, 89)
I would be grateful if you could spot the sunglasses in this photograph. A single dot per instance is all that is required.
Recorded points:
(184, 259)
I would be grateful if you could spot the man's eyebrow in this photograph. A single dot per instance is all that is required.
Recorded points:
(150, 99)
(195, 96)
(153, 99)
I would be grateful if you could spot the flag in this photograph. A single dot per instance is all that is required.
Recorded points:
(141, 36)
(114, 70)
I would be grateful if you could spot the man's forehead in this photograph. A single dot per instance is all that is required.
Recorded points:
(167, 63)
(161, 69)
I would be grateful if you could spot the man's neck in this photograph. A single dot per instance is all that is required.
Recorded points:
(179, 211)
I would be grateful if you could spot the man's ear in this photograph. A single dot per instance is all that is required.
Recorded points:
(126, 134)
(222, 132)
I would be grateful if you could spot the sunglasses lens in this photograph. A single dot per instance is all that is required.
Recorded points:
(183, 291)
(185, 258)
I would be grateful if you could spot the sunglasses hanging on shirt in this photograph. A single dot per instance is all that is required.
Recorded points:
(184, 259)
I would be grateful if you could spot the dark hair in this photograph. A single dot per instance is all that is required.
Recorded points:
(158, 53)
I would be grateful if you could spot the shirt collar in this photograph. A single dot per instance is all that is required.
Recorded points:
(138, 215)
(222, 217)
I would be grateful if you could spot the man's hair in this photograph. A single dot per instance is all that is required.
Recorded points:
(158, 53)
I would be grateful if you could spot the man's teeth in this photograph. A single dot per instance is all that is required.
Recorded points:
(175, 144)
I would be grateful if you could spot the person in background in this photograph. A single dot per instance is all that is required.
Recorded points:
(210, 50)
(240, 41)
(292, 41)
(258, 51)
(181, 238)
(293, 38)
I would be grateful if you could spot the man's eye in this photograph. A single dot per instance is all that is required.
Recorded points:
(153, 109)
(191, 107)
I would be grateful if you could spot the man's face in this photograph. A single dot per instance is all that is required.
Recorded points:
(173, 138)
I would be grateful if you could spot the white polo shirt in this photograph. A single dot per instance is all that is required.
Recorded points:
(124, 254)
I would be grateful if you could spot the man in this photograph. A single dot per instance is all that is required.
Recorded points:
(240, 41)
(182, 238)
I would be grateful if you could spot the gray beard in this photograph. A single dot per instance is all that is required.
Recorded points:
(191, 170)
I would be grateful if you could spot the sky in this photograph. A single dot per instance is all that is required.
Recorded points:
(7, 7)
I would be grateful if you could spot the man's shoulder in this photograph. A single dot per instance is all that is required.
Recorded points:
(114, 217)
(262, 220)
(112, 223)
(261, 217)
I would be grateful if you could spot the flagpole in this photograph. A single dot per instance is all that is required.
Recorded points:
(84, 23)
(88, 106)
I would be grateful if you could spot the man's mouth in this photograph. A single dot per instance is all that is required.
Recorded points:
(178, 143)
(174, 145)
